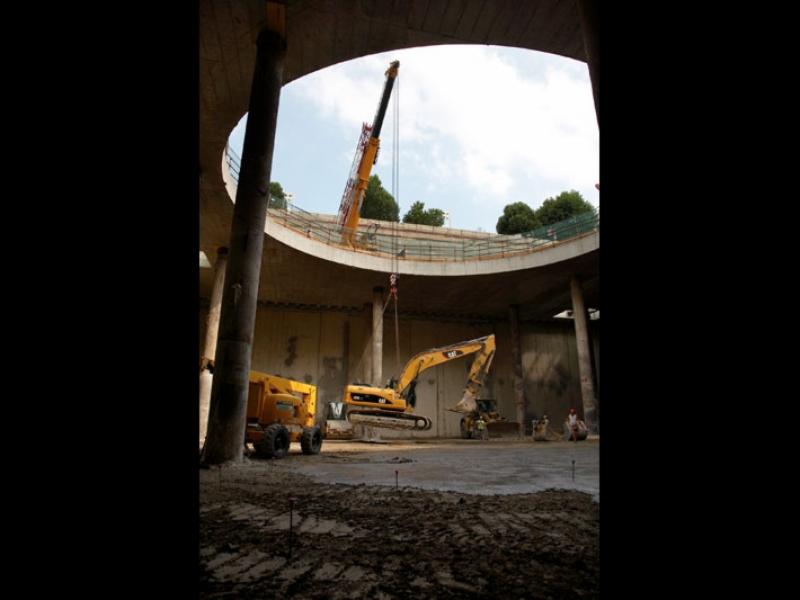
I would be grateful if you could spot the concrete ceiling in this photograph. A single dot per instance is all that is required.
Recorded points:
(289, 276)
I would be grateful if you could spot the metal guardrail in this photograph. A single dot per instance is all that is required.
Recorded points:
(457, 247)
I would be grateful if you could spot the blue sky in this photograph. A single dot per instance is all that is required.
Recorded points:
(480, 127)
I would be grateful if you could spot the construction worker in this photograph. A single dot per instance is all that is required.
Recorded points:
(540, 428)
(573, 424)
(480, 425)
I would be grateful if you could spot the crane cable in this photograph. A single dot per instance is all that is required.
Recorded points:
(393, 278)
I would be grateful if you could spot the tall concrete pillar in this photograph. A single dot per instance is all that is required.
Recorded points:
(210, 345)
(226, 424)
(584, 357)
(377, 336)
(589, 25)
(516, 367)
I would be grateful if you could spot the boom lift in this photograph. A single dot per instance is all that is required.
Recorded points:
(391, 407)
(366, 156)
(281, 411)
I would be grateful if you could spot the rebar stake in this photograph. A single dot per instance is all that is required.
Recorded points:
(291, 515)
(396, 484)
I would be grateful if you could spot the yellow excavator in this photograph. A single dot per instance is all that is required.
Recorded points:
(392, 407)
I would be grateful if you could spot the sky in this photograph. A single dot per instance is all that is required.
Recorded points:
(480, 127)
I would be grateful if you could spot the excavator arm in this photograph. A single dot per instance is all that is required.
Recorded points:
(484, 347)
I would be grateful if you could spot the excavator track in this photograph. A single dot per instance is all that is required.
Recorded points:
(388, 419)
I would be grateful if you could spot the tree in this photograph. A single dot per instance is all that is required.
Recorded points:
(277, 197)
(517, 218)
(378, 203)
(563, 206)
(417, 214)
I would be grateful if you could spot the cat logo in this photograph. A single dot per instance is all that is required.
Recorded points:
(452, 353)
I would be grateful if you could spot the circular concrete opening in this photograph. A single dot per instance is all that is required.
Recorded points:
(479, 127)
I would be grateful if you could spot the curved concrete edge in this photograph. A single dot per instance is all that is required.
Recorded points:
(363, 260)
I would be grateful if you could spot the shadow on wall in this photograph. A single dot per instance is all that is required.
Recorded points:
(291, 351)
(551, 387)
(330, 385)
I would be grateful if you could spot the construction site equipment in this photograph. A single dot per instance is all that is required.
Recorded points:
(366, 156)
(391, 407)
(495, 424)
(336, 426)
(581, 434)
(281, 411)
(540, 429)
(542, 432)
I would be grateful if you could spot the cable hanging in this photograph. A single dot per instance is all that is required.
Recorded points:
(394, 276)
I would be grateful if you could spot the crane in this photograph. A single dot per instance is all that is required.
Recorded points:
(366, 156)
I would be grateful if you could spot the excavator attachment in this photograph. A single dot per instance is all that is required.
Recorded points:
(477, 373)
(467, 404)
(503, 428)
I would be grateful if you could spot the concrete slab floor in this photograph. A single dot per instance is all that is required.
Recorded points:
(497, 466)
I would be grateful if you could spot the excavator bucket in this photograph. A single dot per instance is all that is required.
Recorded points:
(339, 430)
(503, 428)
(466, 405)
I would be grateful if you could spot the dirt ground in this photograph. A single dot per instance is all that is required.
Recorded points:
(382, 541)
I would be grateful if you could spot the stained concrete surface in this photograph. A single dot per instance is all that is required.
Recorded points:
(496, 466)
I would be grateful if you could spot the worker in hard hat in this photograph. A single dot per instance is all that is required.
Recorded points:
(572, 420)
(480, 425)
(540, 428)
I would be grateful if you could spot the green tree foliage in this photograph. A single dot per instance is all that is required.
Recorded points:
(277, 197)
(378, 203)
(417, 214)
(563, 206)
(517, 218)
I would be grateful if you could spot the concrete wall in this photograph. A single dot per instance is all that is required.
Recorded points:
(330, 349)
(550, 368)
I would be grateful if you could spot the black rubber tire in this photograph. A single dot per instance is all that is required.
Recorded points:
(465, 433)
(275, 443)
(311, 440)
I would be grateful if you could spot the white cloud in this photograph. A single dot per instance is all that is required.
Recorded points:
(497, 119)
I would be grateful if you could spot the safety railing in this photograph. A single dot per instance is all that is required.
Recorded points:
(233, 162)
(386, 238)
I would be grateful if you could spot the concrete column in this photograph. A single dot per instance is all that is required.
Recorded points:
(516, 367)
(212, 322)
(226, 425)
(210, 346)
(363, 368)
(584, 357)
(377, 336)
(589, 25)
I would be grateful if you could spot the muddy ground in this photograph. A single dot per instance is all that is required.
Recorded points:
(369, 541)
